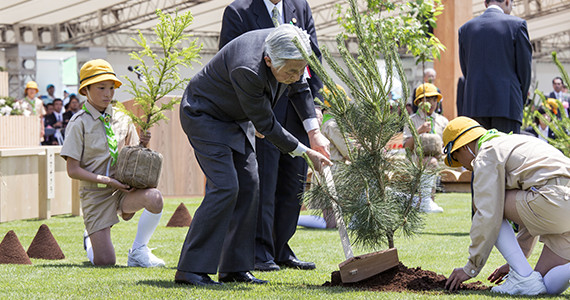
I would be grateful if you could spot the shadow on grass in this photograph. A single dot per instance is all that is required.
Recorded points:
(446, 233)
(172, 284)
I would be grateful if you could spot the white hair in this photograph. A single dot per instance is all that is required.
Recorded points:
(279, 44)
(429, 70)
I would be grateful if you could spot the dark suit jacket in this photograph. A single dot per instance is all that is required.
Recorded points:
(236, 87)
(495, 56)
(245, 15)
(50, 120)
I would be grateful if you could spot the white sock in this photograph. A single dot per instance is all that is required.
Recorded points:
(89, 249)
(557, 280)
(509, 247)
(147, 224)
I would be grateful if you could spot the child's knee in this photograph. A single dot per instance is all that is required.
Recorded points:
(154, 200)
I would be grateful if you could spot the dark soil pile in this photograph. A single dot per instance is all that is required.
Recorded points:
(180, 218)
(402, 278)
(44, 245)
(12, 252)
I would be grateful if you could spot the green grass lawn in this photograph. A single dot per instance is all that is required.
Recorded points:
(441, 247)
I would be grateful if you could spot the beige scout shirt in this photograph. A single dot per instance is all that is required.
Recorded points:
(338, 149)
(419, 118)
(86, 140)
(506, 163)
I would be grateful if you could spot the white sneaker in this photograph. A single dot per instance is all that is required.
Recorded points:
(143, 257)
(518, 285)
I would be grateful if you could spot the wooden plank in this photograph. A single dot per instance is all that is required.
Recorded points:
(465, 176)
(449, 175)
(19, 131)
(365, 266)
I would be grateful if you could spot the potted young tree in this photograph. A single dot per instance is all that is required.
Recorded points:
(138, 166)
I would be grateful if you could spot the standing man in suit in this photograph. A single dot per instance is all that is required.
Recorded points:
(557, 85)
(223, 106)
(281, 176)
(495, 56)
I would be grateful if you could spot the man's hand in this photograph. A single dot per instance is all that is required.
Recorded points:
(319, 142)
(455, 279)
(499, 274)
(318, 159)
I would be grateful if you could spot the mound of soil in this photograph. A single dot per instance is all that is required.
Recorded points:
(402, 278)
(12, 252)
(44, 245)
(180, 218)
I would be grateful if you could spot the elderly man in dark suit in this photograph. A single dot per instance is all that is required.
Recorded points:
(495, 56)
(281, 176)
(222, 107)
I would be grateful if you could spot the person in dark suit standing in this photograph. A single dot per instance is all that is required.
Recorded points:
(281, 176)
(223, 106)
(495, 56)
(557, 85)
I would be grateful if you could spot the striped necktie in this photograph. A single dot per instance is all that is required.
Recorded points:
(111, 140)
(275, 16)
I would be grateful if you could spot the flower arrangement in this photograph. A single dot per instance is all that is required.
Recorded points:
(11, 107)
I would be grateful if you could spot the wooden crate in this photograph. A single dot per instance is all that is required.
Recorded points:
(19, 131)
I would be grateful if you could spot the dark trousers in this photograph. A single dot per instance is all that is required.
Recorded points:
(501, 124)
(282, 180)
(222, 234)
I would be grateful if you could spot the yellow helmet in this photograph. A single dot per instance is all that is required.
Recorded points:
(327, 92)
(458, 133)
(427, 89)
(94, 71)
(32, 85)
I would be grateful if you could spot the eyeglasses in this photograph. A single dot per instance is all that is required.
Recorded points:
(449, 146)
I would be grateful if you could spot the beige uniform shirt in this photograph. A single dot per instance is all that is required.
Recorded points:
(338, 147)
(419, 118)
(512, 162)
(86, 140)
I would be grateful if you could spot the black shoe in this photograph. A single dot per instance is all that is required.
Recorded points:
(240, 277)
(299, 264)
(267, 266)
(198, 279)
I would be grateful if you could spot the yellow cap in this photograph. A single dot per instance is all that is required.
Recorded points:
(94, 71)
(458, 133)
(429, 90)
(327, 92)
(552, 104)
(32, 85)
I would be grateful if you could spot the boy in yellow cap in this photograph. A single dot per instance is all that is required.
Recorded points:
(524, 180)
(94, 137)
(427, 121)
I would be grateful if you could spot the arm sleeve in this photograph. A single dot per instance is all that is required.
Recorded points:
(73, 143)
(523, 53)
(249, 88)
(489, 202)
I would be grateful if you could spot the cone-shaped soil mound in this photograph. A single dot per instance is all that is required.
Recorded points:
(44, 245)
(180, 218)
(12, 252)
(401, 278)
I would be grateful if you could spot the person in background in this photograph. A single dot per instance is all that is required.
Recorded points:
(429, 77)
(557, 85)
(545, 131)
(94, 137)
(520, 179)
(65, 98)
(281, 176)
(31, 105)
(50, 94)
(495, 55)
(427, 121)
(73, 108)
(54, 123)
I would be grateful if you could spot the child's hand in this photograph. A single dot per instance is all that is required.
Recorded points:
(114, 183)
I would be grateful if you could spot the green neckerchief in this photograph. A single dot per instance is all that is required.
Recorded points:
(326, 117)
(489, 135)
(111, 140)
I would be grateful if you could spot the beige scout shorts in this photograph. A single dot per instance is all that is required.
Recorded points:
(100, 206)
(545, 212)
